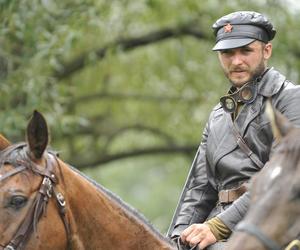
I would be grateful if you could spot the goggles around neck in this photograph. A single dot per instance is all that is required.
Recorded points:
(246, 95)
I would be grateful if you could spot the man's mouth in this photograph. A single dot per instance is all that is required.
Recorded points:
(238, 72)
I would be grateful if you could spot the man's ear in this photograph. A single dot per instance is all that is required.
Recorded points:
(4, 143)
(267, 51)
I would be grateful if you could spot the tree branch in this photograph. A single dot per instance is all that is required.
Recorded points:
(137, 128)
(138, 97)
(125, 44)
(185, 149)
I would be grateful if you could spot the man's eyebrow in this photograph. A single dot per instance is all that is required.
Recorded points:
(247, 47)
(225, 50)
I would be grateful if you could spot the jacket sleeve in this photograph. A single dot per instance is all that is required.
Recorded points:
(289, 102)
(198, 196)
(235, 213)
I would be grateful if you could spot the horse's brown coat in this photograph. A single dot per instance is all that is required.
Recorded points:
(97, 219)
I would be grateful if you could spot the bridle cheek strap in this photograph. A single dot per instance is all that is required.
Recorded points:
(258, 234)
(61, 204)
(38, 208)
(33, 215)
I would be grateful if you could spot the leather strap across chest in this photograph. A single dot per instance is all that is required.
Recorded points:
(245, 148)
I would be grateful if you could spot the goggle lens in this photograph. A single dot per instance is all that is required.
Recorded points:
(245, 94)
(228, 104)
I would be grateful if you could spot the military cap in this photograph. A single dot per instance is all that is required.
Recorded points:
(241, 28)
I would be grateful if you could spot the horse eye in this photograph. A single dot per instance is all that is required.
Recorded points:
(17, 202)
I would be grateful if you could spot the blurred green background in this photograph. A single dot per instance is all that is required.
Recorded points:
(126, 86)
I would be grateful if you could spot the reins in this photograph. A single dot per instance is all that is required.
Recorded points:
(270, 244)
(38, 207)
(258, 234)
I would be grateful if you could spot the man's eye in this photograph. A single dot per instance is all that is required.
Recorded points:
(246, 50)
(17, 202)
(227, 51)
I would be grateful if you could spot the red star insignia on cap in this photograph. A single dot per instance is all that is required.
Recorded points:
(228, 28)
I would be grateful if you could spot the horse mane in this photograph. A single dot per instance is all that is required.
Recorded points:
(132, 212)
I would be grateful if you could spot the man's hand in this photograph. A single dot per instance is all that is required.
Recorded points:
(198, 234)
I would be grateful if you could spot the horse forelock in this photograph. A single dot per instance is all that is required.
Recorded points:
(17, 154)
(14, 154)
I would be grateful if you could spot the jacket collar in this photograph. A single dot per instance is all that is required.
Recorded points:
(271, 83)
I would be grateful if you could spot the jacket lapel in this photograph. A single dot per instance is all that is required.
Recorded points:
(224, 138)
(247, 114)
(268, 86)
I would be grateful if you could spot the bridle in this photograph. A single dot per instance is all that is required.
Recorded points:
(258, 234)
(270, 244)
(38, 207)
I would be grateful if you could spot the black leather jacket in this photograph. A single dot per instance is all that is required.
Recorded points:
(220, 163)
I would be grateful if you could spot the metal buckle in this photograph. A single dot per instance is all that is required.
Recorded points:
(61, 200)
(9, 247)
(294, 245)
(47, 182)
(224, 196)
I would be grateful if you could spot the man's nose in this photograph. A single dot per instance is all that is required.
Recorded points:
(237, 59)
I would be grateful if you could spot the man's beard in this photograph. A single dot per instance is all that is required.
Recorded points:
(257, 72)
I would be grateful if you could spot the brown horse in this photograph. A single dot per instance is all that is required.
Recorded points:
(46, 204)
(273, 220)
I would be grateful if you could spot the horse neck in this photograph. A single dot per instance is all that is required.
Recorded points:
(99, 221)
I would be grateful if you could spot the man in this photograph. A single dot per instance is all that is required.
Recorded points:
(237, 140)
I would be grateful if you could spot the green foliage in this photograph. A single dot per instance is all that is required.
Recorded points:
(118, 99)
(141, 185)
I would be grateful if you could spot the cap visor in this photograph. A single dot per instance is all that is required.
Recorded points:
(232, 43)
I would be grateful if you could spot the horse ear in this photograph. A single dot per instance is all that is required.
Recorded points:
(37, 135)
(4, 143)
(279, 123)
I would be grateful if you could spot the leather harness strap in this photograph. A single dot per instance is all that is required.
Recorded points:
(11, 173)
(243, 146)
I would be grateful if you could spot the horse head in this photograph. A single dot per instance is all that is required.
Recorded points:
(27, 181)
(47, 204)
(272, 221)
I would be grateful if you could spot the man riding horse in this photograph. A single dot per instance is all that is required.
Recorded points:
(237, 140)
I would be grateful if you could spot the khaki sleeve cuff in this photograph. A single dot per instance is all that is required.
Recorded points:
(218, 228)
